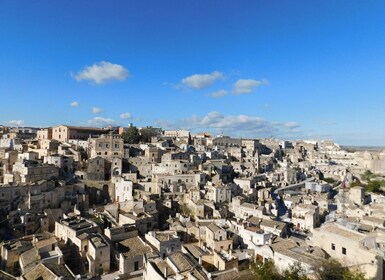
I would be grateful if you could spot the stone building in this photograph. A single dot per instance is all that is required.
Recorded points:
(165, 242)
(107, 146)
(305, 216)
(63, 133)
(31, 171)
(352, 249)
(98, 169)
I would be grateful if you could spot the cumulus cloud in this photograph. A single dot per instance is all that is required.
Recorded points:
(100, 122)
(125, 116)
(96, 110)
(102, 72)
(74, 104)
(235, 125)
(199, 81)
(219, 93)
(246, 85)
(16, 123)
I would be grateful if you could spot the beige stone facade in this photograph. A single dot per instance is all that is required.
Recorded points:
(63, 133)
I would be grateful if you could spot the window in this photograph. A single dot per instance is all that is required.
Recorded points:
(343, 251)
(333, 246)
(136, 266)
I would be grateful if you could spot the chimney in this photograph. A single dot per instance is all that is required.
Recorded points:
(165, 272)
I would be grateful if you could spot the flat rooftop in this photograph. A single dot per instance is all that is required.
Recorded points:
(341, 231)
(98, 241)
(77, 224)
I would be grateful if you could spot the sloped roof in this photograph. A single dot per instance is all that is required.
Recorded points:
(132, 247)
(48, 272)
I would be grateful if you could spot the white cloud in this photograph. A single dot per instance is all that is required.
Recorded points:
(125, 116)
(74, 104)
(96, 110)
(100, 122)
(219, 93)
(291, 125)
(199, 81)
(102, 72)
(235, 125)
(16, 123)
(247, 85)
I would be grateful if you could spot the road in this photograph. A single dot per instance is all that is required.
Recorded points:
(293, 185)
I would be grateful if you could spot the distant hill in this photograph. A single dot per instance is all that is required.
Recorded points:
(363, 148)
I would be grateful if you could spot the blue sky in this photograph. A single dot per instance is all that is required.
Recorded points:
(286, 69)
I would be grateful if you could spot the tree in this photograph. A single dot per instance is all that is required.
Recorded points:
(331, 269)
(374, 186)
(184, 209)
(131, 135)
(146, 133)
(295, 272)
(367, 175)
(356, 183)
(329, 180)
(266, 271)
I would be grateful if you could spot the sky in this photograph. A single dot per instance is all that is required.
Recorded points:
(284, 69)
